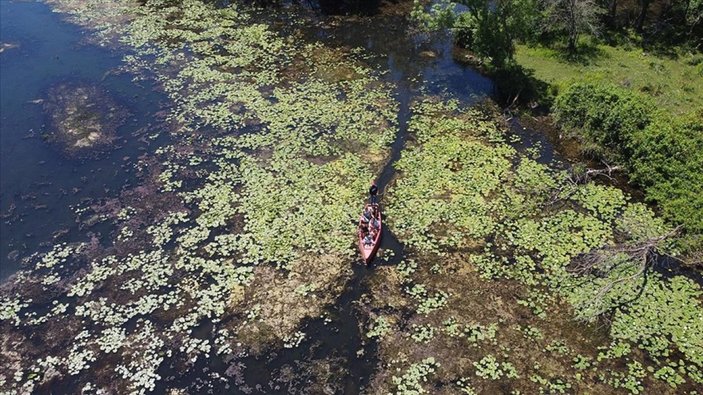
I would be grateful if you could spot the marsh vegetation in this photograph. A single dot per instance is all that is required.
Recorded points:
(84, 119)
(231, 266)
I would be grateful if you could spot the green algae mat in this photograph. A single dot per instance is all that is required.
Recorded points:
(515, 278)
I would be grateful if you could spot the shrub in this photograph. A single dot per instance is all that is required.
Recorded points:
(604, 114)
(667, 160)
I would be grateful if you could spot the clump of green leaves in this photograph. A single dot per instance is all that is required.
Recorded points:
(477, 333)
(411, 381)
(422, 333)
(381, 326)
(490, 368)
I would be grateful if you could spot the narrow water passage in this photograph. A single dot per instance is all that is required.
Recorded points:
(340, 335)
(389, 242)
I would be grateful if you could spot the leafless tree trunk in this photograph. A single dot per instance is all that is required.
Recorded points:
(572, 18)
(644, 8)
(573, 31)
(612, 14)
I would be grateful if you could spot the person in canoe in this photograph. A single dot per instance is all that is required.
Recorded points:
(374, 224)
(370, 221)
(368, 239)
(373, 190)
(368, 215)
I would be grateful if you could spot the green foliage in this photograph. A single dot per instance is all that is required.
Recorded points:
(669, 375)
(558, 347)
(531, 332)
(675, 87)
(274, 142)
(406, 267)
(537, 246)
(422, 333)
(324, 122)
(666, 316)
(604, 114)
(465, 386)
(432, 303)
(410, 383)
(630, 380)
(489, 367)
(603, 202)
(667, 159)
(560, 237)
(638, 223)
(278, 226)
(490, 266)
(477, 333)
(486, 28)
(535, 301)
(582, 362)
(381, 327)
(451, 327)
(443, 199)
(664, 154)
(556, 386)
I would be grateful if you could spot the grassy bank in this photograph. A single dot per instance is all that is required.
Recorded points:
(674, 84)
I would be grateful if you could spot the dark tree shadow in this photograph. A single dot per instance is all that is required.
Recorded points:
(516, 85)
(586, 53)
(346, 7)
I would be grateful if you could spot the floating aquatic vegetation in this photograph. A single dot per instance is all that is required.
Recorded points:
(381, 327)
(467, 201)
(228, 224)
(411, 381)
(84, 119)
(228, 253)
(488, 367)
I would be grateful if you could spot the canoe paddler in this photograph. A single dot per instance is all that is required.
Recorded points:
(373, 190)
(374, 224)
(367, 215)
(368, 239)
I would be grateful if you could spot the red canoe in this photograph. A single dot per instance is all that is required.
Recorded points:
(368, 250)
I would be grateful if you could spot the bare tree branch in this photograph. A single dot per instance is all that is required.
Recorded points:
(606, 261)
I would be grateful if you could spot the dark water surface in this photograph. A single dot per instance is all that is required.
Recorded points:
(36, 178)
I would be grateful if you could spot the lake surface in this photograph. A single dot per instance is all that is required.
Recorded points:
(37, 179)
(41, 187)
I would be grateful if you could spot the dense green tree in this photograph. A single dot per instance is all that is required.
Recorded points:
(489, 28)
(667, 159)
